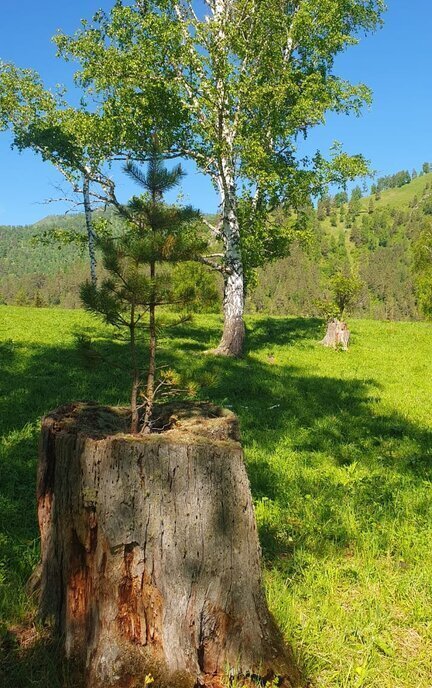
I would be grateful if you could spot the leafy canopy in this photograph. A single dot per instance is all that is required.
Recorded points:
(228, 82)
(39, 119)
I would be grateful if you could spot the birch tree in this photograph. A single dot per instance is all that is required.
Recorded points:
(68, 138)
(233, 85)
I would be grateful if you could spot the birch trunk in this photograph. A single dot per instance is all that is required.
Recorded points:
(91, 236)
(233, 335)
(150, 553)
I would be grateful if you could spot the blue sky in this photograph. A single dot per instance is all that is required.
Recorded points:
(396, 133)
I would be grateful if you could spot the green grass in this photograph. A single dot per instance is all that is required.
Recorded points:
(339, 453)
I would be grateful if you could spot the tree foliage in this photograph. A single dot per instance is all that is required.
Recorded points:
(393, 181)
(345, 290)
(185, 71)
(75, 140)
(423, 267)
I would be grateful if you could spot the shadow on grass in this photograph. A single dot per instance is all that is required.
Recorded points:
(283, 331)
(38, 661)
(261, 331)
(282, 412)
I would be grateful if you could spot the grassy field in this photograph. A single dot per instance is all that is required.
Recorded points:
(339, 453)
(402, 197)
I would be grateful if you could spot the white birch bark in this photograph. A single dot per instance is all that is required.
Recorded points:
(233, 334)
(232, 340)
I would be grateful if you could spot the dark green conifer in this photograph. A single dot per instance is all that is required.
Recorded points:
(140, 279)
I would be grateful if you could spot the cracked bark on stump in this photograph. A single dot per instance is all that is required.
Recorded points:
(337, 335)
(150, 553)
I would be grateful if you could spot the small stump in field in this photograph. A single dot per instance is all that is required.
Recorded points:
(150, 553)
(337, 335)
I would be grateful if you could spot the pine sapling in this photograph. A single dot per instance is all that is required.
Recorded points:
(141, 277)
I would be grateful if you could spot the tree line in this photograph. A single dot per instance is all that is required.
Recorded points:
(395, 181)
(386, 246)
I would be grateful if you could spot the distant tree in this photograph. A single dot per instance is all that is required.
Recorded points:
(340, 199)
(374, 189)
(427, 206)
(394, 181)
(21, 298)
(354, 205)
(345, 290)
(135, 288)
(321, 211)
(405, 178)
(423, 269)
(327, 204)
(356, 194)
(424, 293)
(426, 168)
(357, 235)
(414, 174)
(382, 184)
(39, 301)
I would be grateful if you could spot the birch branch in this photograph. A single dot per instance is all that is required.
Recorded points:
(215, 230)
(212, 265)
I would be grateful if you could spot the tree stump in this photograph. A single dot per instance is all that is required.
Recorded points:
(337, 335)
(150, 553)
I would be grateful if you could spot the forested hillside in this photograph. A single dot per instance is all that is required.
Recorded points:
(378, 238)
(34, 272)
(375, 237)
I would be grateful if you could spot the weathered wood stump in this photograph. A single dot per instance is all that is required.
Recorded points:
(337, 335)
(150, 553)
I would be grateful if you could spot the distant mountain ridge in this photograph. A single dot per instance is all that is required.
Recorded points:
(372, 236)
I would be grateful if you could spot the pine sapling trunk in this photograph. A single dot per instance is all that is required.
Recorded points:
(135, 374)
(152, 358)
